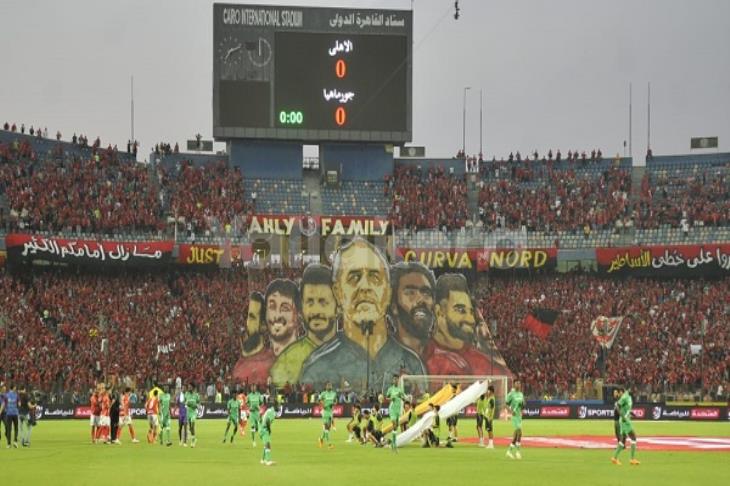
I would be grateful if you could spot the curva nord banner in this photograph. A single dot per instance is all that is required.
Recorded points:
(482, 260)
(23, 247)
(665, 260)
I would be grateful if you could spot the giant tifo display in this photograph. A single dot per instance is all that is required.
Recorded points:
(312, 74)
(364, 321)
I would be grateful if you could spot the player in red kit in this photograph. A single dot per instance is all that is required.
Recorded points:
(152, 407)
(105, 403)
(95, 412)
(125, 417)
(243, 420)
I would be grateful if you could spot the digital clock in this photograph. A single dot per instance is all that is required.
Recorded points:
(291, 117)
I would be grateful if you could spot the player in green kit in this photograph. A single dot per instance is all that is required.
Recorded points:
(515, 401)
(327, 399)
(625, 404)
(266, 421)
(234, 415)
(192, 399)
(396, 396)
(165, 400)
(254, 403)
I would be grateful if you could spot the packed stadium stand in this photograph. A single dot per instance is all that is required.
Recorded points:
(55, 321)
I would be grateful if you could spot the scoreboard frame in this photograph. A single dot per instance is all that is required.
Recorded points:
(245, 56)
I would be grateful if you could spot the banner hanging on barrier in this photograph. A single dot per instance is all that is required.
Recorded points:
(24, 247)
(217, 255)
(286, 225)
(665, 260)
(483, 260)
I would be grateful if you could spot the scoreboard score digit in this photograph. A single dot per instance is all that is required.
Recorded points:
(342, 82)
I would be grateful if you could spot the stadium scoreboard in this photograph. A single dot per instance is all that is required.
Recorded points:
(312, 74)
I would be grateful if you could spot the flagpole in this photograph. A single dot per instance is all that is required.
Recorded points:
(648, 118)
(631, 152)
(481, 108)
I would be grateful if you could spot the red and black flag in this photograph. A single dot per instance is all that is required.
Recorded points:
(540, 321)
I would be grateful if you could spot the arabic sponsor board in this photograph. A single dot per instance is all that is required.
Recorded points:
(24, 247)
(562, 411)
(656, 411)
(711, 259)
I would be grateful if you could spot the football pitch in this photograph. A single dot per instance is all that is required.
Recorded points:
(61, 454)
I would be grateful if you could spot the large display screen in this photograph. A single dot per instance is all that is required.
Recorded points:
(330, 81)
(312, 74)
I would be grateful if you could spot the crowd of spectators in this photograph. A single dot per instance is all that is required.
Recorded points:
(564, 201)
(33, 132)
(77, 140)
(652, 351)
(62, 330)
(101, 192)
(97, 195)
(164, 148)
(429, 198)
(698, 199)
(206, 197)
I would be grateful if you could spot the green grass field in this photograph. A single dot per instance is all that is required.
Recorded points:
(61, 454)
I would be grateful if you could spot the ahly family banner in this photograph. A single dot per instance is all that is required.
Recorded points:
(286, 225)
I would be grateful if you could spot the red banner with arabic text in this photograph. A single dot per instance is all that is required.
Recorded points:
(25, 247)
(669, 260)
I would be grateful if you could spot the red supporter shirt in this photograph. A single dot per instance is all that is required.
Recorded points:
(254, 369)
(480, 363)
(441, 361)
